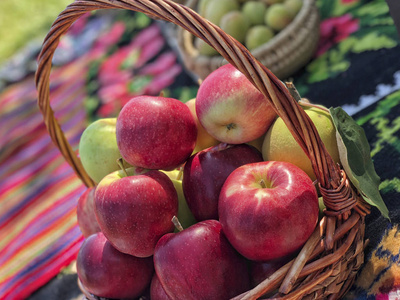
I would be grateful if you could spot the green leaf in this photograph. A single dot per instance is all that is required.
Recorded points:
(373, 41)
(318, 69)
(325, 8)
(372, 10)
(341, 8)
(328, 65)
(356, 159)
(382, 21)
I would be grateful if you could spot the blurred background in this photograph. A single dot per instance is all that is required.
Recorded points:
(106, 58)
(24, 21)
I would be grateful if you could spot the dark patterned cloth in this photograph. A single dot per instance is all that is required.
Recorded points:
(108, 57)
(357, 67)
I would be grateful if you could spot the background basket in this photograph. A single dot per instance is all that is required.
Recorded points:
(328, 263)
(284, 54)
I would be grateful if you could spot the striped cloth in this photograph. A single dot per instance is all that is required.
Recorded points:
(39, 191)
(39, 234)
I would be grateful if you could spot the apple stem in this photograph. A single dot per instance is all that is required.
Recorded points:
(263, 184)
(120, 163)
(231, 126)
(177, 224)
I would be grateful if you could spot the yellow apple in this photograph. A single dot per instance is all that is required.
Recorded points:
(185, 216)
(257, 143)
(204, 139)
(279, 144)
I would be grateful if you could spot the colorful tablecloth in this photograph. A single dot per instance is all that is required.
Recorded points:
(109, 56)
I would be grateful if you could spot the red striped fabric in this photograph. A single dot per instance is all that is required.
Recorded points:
(39, 234)
(39, 191)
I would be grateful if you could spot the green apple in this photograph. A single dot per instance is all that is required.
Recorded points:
(278, 17)
(258, 35)
(293, 6)
(98, 149)
(201, 6)
(279, 144)
(185, 216)
(254, 11)
(236, 24)
(270, 2)
(215, 10)
(204, 48)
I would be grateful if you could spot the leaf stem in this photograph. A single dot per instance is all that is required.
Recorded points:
(308, 104)
(293, 91)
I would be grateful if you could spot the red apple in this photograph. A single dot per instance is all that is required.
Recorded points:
(268, 210)
(199, 263)
(206, 171)
(155, 132)
(204, 139)
(157, 291)
(85, 213)
(231, 109)
(135, 211)
(106, 272)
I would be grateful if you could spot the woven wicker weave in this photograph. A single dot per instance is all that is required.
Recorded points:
(284, 54)
(329, 261)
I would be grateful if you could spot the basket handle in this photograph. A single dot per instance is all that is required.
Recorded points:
(297, 121)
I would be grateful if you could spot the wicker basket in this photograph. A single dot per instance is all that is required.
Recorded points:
(328, 263)
(284, 54)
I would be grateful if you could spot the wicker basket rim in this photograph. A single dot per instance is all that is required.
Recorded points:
(348, 228)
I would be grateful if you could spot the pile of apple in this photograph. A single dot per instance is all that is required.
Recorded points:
(251, 22)
(198, 207)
